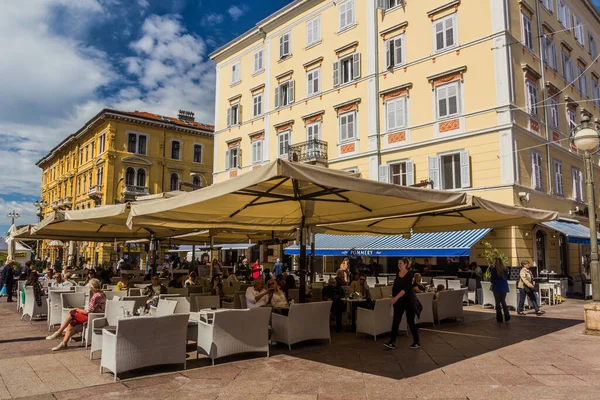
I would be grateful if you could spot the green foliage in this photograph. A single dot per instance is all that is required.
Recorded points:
(490, 253)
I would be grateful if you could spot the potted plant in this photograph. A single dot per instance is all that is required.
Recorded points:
(490, 253)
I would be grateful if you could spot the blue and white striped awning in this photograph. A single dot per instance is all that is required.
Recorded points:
(573, 230)
(438, 244)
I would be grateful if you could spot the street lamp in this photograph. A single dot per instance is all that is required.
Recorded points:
(586, 139)
(40, 205)
(13, 215)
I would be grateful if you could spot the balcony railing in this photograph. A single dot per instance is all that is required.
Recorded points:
(131, 190)
(312, 151)
(95, 191)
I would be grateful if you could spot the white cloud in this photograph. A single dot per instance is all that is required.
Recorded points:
(235, 12)
(212, 19)
(27, 213)
(143, 4)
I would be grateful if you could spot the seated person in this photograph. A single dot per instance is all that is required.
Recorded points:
(59, 281)
(360, 286)
(267, 274)
(231, 278)
(32, 280)
(339, 279)
(257, 295)
(333, 292)
(153, 291)
(90, 275)
(165, 273)
(290, 283)
(125, 283)
(192, 280)
(277, 297)
(177, 281)
(438, 289)
(217, 286)
(418, 286)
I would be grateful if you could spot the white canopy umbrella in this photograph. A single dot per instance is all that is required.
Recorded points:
(11, 241)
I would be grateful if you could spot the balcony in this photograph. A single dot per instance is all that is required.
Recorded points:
(95, 192)
(66, 202)
(133, 191)
(310, 152)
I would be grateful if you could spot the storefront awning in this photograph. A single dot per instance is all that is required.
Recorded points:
(438, 244)
(573, 230)
(238, 246)
(235, 246)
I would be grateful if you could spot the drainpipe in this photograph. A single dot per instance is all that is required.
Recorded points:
(377, 105)
(162, 184)
(543, 69)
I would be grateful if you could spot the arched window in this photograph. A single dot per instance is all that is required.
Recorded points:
(141, 177)
(174, 181)
(196, 180)
(540, 243)
(130, 176)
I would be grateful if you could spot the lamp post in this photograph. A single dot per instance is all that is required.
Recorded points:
(586, 138)
(40, 205)
(13, 215)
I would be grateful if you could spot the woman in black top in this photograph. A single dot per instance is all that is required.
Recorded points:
(402, 301)
(418, 286)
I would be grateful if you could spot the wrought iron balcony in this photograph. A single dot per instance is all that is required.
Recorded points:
(131, 190)
(312, 152)
(95, 192)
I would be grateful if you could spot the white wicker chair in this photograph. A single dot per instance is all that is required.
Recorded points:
(304, 322)
(377, 321)
(144, 341)
(20, 286)
(140, 301)
(164, 307)
(437, 282)
(512, 297)
(201, 302)
(426, 300)
(234, 332)
(375, 293)
(135, 292)
(488, 296)
(31, 308)
(114, 309)
(449, 304)
(110, 294)
(69, 301)
(386, 292)
(55, 307)
(183, 305)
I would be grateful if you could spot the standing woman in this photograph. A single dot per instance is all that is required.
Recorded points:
(345, 266)
(404, 300)
(499, 280)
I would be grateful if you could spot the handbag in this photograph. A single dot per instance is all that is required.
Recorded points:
(3, 291)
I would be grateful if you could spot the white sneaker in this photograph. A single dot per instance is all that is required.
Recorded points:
(55, 335)
(61, 346)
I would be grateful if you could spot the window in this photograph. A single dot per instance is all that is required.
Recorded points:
(99, 176)
(285, 45)
(313, 132)
(196, 181)
(197, 153)
(347, 126)
(395, 111)
(402, 173)
(583, 81)
(141, 177)
(87, 153)
(129, 177)
(101, 144)
(79, 185)
(577, 184)
(234, 115)
(593, 49)
(578, 30)
(175, 149)
(571, 119)
(567, 65)
(236, 75)
(232, 158)
(450, 171)
(174, 181)
(389, 4)
(447, 100)
(257, 105)
(549, 4)
(394, 52)
(284, 94)
(564, 14)
(313, 82)
(550, 57)
(313, 31)
(257, 151)
(346, 14)
(346, 70)
(526, 31)
(558, 178)
(532, 97)
(444, 33)
(596, 92)
(93, 146)
(536, 171)
(136, 143)
(258, 61)
(553, 112)
(283, 142)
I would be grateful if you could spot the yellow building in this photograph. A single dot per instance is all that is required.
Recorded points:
(448, 93)
(117, 156)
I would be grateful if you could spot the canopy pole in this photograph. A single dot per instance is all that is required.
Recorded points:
(312, 257)
(302, 263)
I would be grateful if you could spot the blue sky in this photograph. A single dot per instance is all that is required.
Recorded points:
(64, 60)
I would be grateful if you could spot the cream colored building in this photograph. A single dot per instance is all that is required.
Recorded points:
(117, 156)
(452, 94)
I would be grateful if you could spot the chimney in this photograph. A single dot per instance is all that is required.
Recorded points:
(186, 116)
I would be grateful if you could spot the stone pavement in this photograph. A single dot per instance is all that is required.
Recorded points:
(530, 358)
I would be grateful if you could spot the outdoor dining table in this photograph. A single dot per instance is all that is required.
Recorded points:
(354, 302)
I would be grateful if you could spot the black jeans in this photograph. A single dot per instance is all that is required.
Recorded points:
(337, 309)
(9, 291)
(501, 307)
(531, 294)
(399, 309)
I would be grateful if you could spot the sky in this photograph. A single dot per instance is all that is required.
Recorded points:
(62, 61)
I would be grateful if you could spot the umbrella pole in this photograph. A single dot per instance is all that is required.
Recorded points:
(302, 266)
(312, 258)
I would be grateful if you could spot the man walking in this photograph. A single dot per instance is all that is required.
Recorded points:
(8, 278)
(277, 268)
(526, 287)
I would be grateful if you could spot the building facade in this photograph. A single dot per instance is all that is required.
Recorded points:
(476, 96)
(117, 156)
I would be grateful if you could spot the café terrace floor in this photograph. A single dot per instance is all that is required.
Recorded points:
(532, 357)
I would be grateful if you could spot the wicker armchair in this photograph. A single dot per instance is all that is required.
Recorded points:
(304, 322)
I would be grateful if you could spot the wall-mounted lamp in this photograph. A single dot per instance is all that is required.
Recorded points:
(524, 197)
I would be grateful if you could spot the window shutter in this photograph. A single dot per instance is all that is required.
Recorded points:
(381, 4)
(281, 47)
(384, 173)
(410, 173)
(398, 51)
(336, 73)
(229, 117)
(291, 92)
(227, 161)
(434, 171)
(389, 54)
(356, 67)
(239, 114)
(239, 150)
(465, 169)
(277, 97)
(534, 173)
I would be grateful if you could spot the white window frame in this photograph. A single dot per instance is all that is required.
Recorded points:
(537, 171)
(464, 167)
(194, 153)
(233, 154)
(350, 134)
(527, 31)
(399, 107)
(578, 30)
(284, 39)
(346, 15)
(596, 92)
(395, 49)
(137, 143)
(99, 176)
(234, 115)
(313, 77)
(311, 127)
(548, 4)
(564, 14)
(352, 61)
(257, 105)
(550, 53)
(532, 97)
(553, 113)
(568, 68)
(577, 181)
(283, 139)
(592, 46)
(571, 119)
(285, 94)
(173, 141)
(406, 176)
(446, 87)
(236, 75)
(313, 31)
(101, 145)
(583, 84)
(257, 151)
(259, 61)
(445, 33)
(388, 5)
(559, 188)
